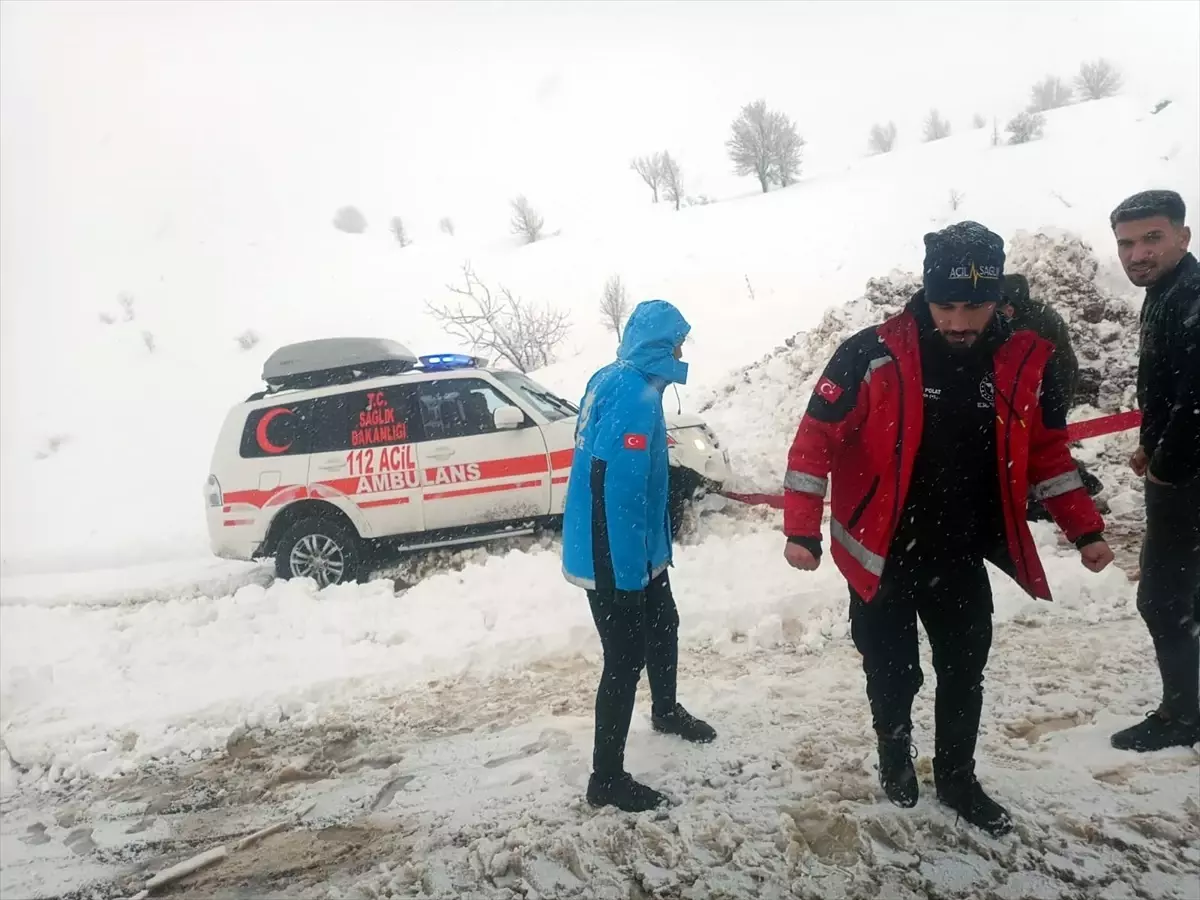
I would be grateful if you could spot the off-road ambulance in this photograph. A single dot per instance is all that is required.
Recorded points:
(358, 448)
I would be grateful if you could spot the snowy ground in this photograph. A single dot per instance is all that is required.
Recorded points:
(443, 734)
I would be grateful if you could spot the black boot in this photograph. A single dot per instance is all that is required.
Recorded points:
(1158, 732)
(897, 776)
(682, 723)
(960, 790)
(622, 792)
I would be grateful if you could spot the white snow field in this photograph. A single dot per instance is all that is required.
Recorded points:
(429, 736)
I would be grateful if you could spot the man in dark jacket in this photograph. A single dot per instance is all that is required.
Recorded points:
(617, 545)
(934, 429)
(1025, 313)
(1152, 242)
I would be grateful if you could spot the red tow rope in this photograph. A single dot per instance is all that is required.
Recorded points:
(1076, 431)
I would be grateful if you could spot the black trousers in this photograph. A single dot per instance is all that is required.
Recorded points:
(634, 636)
(1168, 595)
(954, 601)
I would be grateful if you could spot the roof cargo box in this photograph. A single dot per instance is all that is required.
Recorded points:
(327, 361)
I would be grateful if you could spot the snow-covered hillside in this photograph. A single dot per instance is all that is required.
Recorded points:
(109, 427)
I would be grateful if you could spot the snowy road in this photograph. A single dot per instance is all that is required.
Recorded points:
(471, 787)
(443, 735)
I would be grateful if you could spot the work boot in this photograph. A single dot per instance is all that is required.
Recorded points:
(960, 790)
(1159, 731)
(622, 792)
(682, 723)
(897, 776)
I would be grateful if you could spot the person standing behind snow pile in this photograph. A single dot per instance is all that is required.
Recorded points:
(1152, 243)
(617, 545)
(1024, 313)
(934, 426)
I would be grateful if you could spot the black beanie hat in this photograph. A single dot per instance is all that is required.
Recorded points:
(964, 263)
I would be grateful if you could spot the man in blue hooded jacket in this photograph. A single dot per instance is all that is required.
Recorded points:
(617, 544)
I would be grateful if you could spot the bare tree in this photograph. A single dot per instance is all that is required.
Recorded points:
(526, 221)
(752, 142)
(672, 179)
(614, 306)
(502, 324)
(650, 168)
(1049, 93)
(956, 198)
(248, 339)
(447, 226)
(1025, 127)
(995, 132)
(936, 127)
(883, 138)
(126, 300)
(786, 148)
(1097, 80)
(350, 220)
(978, 121)
(398, 230)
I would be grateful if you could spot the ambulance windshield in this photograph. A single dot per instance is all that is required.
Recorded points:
(548, 404)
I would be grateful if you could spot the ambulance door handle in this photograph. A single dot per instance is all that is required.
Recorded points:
(332, 466)
(441, 453)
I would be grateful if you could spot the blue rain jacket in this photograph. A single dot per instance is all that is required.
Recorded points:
(616, 530)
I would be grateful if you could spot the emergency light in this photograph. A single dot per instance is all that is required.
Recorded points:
(443, 362)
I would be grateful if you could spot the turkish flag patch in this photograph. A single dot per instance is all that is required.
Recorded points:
(636, 442)
(827, 390)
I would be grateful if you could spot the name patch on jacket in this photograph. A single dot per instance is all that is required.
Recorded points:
(636, 442)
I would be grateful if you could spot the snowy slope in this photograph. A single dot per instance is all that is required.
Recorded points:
(104, 450)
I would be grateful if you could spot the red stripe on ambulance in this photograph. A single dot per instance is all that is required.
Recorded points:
(484, 489)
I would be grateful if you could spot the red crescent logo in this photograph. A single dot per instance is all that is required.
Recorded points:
(261, 432)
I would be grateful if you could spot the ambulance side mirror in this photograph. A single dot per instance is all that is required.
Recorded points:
(508, 418)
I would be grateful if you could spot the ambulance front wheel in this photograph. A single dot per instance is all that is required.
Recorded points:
(323, 549)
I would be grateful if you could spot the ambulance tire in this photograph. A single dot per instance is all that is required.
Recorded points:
(322, 548)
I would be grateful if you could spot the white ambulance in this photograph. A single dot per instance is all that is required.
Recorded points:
(358, 449)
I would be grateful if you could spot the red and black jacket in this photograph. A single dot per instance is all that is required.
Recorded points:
(863, 429)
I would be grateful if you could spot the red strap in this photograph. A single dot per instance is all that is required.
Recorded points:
(1076, 431)
(1089, 428)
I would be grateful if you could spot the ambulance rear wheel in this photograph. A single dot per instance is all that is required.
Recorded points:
(323, 549)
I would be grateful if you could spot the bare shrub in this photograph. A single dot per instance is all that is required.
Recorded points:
(501, 324)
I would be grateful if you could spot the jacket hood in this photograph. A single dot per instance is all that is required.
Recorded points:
(651, 335)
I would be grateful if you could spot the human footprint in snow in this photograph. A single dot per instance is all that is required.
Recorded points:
(617, 544)
(934, 427)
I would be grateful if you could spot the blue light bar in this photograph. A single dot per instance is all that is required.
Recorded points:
(443, 362)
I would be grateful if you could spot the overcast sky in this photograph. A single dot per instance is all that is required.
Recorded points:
(124, 118)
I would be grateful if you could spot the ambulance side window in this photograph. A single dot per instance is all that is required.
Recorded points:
(365, 418)
(281, 430)
(459, 407)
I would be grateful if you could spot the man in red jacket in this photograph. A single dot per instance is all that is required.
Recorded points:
(935, 426)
